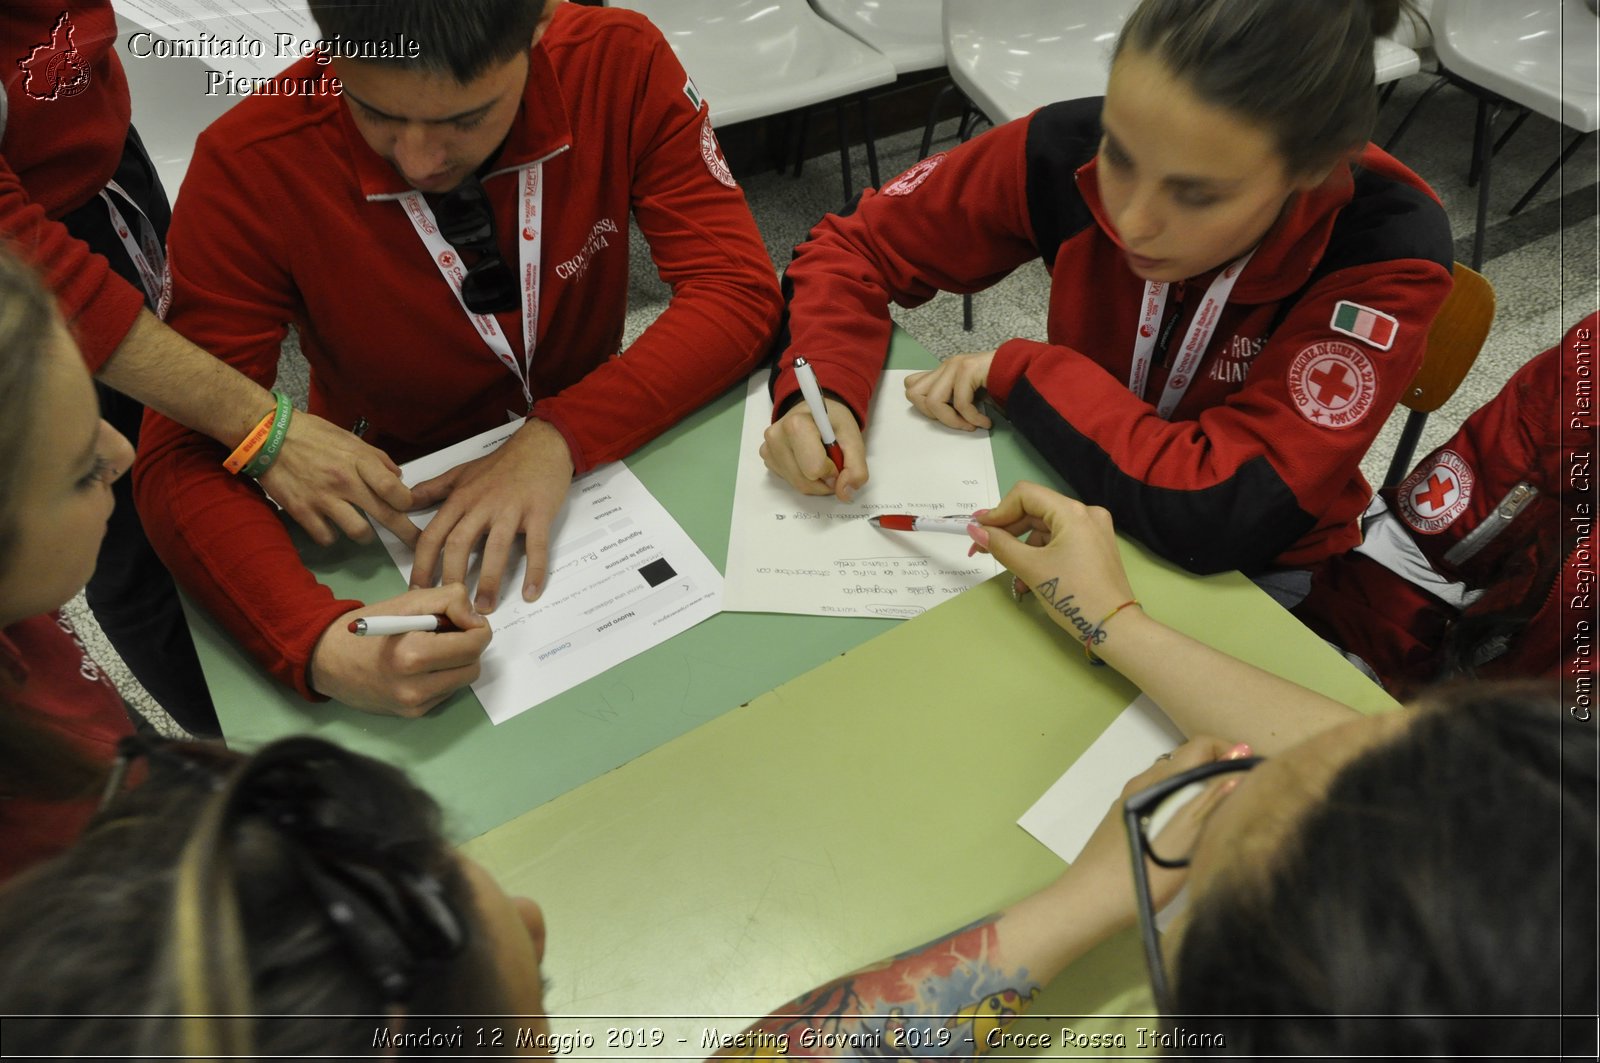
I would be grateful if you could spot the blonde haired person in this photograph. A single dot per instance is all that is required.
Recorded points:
(60, 717)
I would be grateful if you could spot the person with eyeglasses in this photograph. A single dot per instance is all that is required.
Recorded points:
(438, 201)
(1411, 884)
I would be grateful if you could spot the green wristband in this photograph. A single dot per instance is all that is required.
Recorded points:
(280, 430)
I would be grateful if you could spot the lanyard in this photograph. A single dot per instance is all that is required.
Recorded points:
(530, 250)
(145, 250)
(1195, 341)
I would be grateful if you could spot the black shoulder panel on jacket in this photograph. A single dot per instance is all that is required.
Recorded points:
(1242, 523)
(1062, 137)
(1387, 220)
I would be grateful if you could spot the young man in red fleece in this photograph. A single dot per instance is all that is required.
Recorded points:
(444, 220)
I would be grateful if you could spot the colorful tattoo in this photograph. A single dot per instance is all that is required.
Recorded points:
(944, 999)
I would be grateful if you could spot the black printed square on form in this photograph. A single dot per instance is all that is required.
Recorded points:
(657, 572)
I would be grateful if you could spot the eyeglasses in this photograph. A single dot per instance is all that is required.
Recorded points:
(392, 913)
(466, 220)
(1145, 814)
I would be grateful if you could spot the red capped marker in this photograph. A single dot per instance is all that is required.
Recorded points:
(907, 522)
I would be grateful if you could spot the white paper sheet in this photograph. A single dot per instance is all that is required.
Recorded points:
(1070, 810)
(794, 553)
(623, 577)
(250, 38)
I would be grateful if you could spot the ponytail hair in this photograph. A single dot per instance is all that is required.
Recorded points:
(284, 905)
(1302, 69)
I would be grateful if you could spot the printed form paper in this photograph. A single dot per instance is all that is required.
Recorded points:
(794, 553)
(624, 576)
(1073, 807)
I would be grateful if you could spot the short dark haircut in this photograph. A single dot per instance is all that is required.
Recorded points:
(1301, 68)
(461, 38)
(1449, 871)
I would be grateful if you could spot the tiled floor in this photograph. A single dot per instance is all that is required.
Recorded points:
(1542, 263)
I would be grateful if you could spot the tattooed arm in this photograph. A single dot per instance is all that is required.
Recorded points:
(1072, 563)
(954, 996)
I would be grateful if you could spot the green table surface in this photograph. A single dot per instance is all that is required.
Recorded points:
(771, 824)
(484, 774)
(855, 811)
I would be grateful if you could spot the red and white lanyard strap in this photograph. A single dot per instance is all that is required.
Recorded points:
(1195, 341)
(530, 249)
(145, 248)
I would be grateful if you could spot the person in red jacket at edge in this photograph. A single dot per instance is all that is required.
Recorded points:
(509, 137)
(81, 202)
(1241, 286)
(1471, 565)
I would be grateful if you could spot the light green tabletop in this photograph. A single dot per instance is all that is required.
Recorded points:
(858, 810)
(774, 824)
(485, 774)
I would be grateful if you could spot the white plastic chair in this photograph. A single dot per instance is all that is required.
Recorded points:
(906, 32)
(755, 58)
(1013, 57)
(1538, 55)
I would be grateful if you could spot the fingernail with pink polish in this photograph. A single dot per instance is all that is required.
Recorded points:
(1238, 752)
(979, 534)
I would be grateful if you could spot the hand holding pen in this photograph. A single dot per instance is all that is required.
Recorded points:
(816, 445)
(403, 656)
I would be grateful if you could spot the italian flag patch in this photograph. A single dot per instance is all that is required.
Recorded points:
(693, 93)
(1365, 324)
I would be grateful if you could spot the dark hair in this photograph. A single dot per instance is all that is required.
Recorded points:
(298, 882)
(1450, 871)
(1302, 69)
(451, 37)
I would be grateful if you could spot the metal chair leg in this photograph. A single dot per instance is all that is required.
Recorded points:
(1405, 123)
(1401, 464)
(866, 133)
(966, 312)
(844, 151)
(1481, 163)
(1551, 172)
(800, 139)
(1516, 124)
(933, 119)
(1481, 154)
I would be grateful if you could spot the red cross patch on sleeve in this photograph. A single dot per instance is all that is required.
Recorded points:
(1333, 384)
(907, 182)
(1436, 493)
